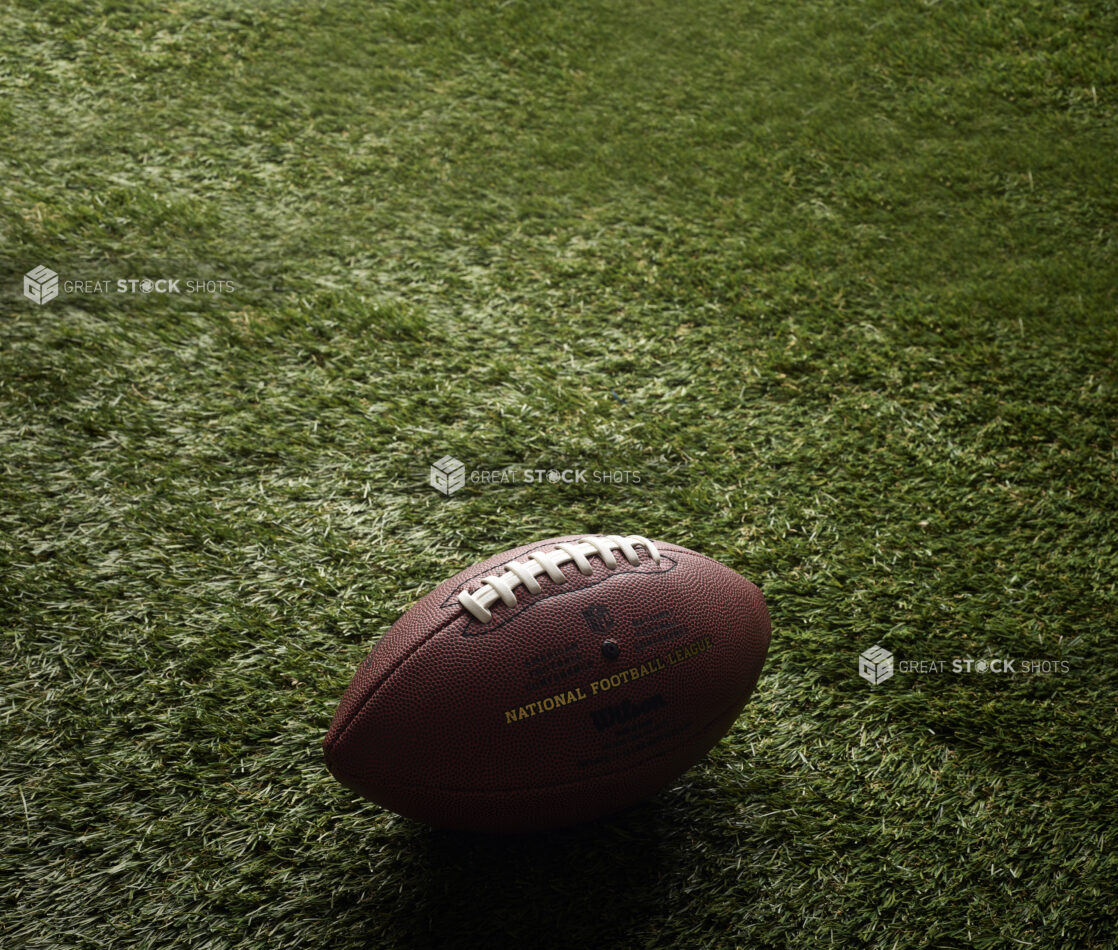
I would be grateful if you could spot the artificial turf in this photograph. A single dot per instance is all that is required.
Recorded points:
(836, 280)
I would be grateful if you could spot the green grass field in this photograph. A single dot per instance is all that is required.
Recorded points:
(837, 279)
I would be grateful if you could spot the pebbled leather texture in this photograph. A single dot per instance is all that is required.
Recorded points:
(527, 722)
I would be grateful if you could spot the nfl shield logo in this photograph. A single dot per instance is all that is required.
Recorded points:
(597, 615)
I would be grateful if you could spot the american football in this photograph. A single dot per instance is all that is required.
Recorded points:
(551, 684)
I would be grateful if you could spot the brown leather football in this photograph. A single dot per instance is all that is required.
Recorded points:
(551, 684)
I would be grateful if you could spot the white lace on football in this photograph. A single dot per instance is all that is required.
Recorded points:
(516, 573)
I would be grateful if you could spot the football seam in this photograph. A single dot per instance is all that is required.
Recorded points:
(472, 625)
(360, 707)
(388, 673)
(451, 599)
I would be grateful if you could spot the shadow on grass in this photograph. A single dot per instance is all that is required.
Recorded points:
(601, 884)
